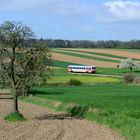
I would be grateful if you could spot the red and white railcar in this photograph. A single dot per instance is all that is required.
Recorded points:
(82, 69)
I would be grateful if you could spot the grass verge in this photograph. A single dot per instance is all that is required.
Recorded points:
(14, 116)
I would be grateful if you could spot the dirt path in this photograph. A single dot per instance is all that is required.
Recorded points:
(43, 124)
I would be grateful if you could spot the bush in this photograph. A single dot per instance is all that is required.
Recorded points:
(129, 78)
(77, 111)
(74, 82)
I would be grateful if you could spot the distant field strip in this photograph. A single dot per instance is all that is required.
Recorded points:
(83, 61)
(130, 50)
(103, 55)
(93, 55)
(111, 53)
(82, 55)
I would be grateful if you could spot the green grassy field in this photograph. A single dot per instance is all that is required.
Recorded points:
(62, 64)
(117, 71)
(62, 76)
(109, 71)
(117, 105)
(85, 79)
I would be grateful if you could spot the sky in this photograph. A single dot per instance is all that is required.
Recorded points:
(76, 19)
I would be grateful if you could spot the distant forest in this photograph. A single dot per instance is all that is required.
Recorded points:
(58, 43)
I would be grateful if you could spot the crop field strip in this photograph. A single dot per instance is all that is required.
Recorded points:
(84, 56)
(111, 53)
(109, 56)
(91, 55)
(85, 79)
(83, 61)
(130, 50)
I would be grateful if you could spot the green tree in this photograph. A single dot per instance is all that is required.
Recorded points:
(24, 61)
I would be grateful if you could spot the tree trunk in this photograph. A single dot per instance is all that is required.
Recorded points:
(15, 104)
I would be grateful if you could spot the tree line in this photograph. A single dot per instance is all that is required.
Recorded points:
(59, 43)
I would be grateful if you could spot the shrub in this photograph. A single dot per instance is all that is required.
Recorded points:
(77, 111)
(129, 78)
(74, 82)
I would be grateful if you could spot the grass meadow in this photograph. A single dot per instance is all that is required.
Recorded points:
(62, 70)
(61, 76)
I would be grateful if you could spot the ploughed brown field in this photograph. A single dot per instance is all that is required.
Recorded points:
(98, 63)
(84, 61)
(43, 124)
(92, 55)
(114, 52)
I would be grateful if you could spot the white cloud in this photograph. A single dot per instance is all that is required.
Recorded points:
(123, 10)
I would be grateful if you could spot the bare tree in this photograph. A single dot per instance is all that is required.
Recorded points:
(24, 62)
